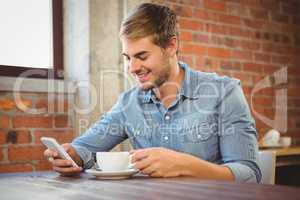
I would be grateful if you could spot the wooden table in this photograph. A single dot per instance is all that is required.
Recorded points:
(49, 185)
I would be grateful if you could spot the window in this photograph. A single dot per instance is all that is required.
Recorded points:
(31, 37)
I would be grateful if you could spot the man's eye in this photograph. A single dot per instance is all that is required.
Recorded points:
(143, 57)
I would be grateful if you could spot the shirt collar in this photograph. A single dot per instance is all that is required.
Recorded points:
(187, 89)
(189, 82)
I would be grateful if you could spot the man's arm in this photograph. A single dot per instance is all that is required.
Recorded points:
(162, 162)
(101, 136)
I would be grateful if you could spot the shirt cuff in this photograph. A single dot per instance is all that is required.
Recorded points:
(85, 155)
(242, 173)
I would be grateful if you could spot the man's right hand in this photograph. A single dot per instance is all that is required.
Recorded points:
(62, 166)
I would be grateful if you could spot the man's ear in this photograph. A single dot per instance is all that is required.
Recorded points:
(172, 46)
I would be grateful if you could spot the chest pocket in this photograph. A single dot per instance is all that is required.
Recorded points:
(140, 137)
(199, 137)
(197, 130)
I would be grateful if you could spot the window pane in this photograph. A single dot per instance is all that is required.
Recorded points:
(26, 33)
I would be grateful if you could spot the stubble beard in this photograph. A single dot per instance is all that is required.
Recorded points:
(161, 77)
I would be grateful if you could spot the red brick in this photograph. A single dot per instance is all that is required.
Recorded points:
(43, 165)
(190, 24)
(2, 137)
(200, 38)
(212, 65)
(279, 18)
(281, 59)
(290, 7)
(237, 31)
(252, 3)
(270, 4)
(270, 69)
(294, 92)
(24, 105)
(242, 55)
(183, 11)
(62, 121)
(218, 52)
(214, 28)
(229, 19)
(294, 71)
(244, 77)
(53, 105)
(237, 9)
(259, 14)
(187, 59)
(193, 49)
(246, 45)
(29, 121)
(264, 101)
(62, 136)
(185, 36)
(253, 67)
(256, 24)
(228, 65)
(24, 137)
(7, 104)
(4, 121)
(247, 89)
(214, 5)
(204, 15)
(200, 62)
(8, 168)
(257, 78)
(262, 57)
(1, 154)
(25, 153)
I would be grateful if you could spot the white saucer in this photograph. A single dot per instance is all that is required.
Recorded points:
(112, 174)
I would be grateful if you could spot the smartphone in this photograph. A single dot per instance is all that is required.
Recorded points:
(51, 143)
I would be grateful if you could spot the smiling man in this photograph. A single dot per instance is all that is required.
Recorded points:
(180, 122)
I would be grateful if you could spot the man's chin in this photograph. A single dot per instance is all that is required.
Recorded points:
(146, 86)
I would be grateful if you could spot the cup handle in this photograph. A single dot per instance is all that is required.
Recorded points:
(131, 165)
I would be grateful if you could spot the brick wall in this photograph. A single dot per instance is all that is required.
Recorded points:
(249, 40)
(20, 131)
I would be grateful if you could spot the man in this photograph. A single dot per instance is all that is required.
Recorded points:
(180, 122)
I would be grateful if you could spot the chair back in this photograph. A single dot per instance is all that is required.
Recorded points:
(267, 162)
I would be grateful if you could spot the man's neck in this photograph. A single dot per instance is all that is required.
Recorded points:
(168, 91)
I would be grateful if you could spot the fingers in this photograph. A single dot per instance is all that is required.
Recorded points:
(67, 170)
(50, 153)
(139, 155)
(143, 163)
(65, 167)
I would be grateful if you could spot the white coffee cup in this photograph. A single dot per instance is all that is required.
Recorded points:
(271, 138)
(285, 141)
(113, 161)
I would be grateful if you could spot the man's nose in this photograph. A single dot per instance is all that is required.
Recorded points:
(134, 65)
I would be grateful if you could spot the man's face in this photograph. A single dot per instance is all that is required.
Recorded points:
(147, 62)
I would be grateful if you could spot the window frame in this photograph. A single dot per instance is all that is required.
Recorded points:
(58, 69)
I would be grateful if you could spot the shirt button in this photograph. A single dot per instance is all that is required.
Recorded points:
(166, 137)
(167, 117)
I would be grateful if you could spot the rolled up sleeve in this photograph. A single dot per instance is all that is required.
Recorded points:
(238, 136)
(106, 133)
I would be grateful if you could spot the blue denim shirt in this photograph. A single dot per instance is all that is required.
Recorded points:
(209, 119)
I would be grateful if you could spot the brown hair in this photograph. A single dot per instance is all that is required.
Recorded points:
(151, 19)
